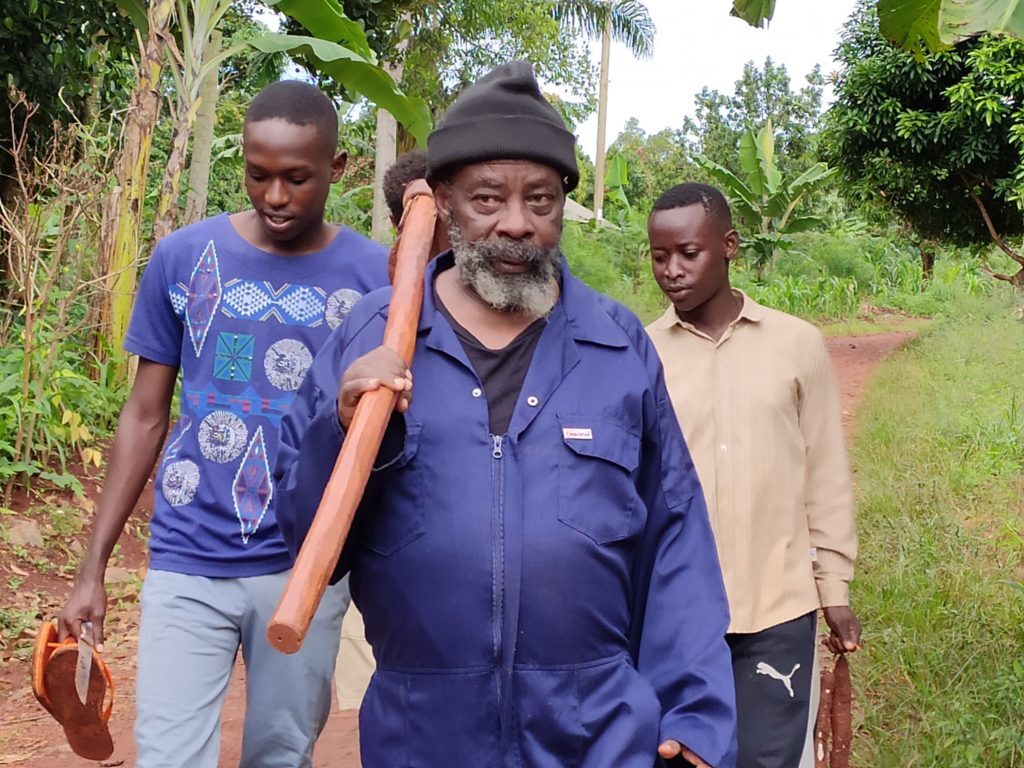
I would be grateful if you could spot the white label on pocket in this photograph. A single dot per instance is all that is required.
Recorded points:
(577, 433)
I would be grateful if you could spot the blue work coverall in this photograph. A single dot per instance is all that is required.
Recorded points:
(546, 598)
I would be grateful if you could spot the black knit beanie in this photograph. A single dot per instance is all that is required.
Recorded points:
(503, 116)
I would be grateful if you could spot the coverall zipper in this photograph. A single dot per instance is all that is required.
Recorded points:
(498, 552)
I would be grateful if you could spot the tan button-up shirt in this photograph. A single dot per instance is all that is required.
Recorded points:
(760, 413)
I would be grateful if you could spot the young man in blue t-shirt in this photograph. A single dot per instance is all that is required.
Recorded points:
(240, 304)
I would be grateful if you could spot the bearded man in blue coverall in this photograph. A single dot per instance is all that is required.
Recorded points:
(532, 556)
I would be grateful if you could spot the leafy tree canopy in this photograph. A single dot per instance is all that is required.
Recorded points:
(761, 95)
(938, 137)
(444, 46)
(656, 162)
(58, 52)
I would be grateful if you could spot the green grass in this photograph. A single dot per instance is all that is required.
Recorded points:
(865, 326)
(939, 461)
(830, 277)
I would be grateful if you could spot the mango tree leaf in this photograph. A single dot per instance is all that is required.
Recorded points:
(756, 13)
(960, 19)
(326, 20)
(911, 24)
(356, 74)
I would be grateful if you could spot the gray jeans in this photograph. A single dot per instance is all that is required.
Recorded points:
(191, 630)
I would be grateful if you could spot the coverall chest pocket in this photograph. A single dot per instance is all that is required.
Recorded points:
(398, 517)
(596, 487)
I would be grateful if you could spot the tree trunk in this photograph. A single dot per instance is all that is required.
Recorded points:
(927, 261)
(386, 147)
(385, 152)
(122, 253)
(202, 141)
(93, 98)
(170, 187)
(602, 121)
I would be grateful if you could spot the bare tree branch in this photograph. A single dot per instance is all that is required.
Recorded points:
(991, 227)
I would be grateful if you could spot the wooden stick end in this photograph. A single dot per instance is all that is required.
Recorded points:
(284, 637)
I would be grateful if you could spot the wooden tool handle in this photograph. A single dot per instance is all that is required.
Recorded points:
(326, 537)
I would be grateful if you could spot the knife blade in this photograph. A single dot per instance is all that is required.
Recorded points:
(83, 668)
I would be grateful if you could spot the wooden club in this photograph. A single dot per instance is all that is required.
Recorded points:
(326, 537)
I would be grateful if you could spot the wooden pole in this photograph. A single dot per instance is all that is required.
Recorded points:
(326, 538)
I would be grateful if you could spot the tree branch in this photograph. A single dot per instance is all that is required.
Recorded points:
(991, 227)
(1015, 280)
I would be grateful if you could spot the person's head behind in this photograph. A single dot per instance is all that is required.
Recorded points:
(407, 167)
(290, 146)
(692, 242)
(501, 162)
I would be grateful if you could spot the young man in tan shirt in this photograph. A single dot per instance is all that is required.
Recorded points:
(758, 402)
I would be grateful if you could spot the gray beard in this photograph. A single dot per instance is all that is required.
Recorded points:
(533, 292)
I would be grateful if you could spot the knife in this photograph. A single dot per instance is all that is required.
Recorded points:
(83, 668)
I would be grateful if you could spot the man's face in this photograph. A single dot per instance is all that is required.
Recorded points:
(505, 223)
(289, 170)
(690, 255)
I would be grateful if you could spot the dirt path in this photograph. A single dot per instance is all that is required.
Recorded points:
(31, 739)
(854, 358)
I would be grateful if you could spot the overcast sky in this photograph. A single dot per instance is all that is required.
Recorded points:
(699, 44)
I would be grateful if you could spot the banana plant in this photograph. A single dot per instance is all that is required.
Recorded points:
(933, 25)
(340, 49)
(766, 202)
(921, 25)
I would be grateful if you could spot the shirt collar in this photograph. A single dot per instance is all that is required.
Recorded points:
(751, 311)
(585, 317)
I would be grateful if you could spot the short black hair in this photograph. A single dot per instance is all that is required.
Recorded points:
(407, 167)
(685, 195)
(299, 103)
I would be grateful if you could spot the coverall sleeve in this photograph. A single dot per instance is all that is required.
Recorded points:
(684, 613)
(311, 438)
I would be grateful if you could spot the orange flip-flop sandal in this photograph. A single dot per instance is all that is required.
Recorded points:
(53, 683)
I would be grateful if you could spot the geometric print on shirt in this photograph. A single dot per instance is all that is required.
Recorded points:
(299, 305)
(253, 490)
(286, 363)
(204, 295)
(180, 478)
(222, 436)
(233, 357)
(339, 304)
(204, 400)
(288, 304)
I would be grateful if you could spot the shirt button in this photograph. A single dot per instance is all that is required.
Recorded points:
(477, 392)
(723, 447)
(532, 401)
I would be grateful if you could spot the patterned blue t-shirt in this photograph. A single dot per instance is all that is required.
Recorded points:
(243, 325)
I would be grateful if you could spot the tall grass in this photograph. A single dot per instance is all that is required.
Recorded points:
(616, 262)
(828, 276)
(939, 457)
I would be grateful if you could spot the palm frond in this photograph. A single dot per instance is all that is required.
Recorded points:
(630, 21)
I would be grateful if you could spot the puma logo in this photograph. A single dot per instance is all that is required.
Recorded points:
(772, 672)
